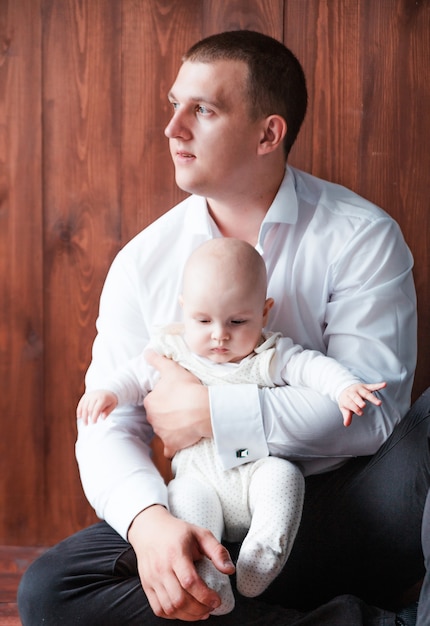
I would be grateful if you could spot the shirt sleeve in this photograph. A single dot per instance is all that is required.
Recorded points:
(132, 382)
(370, 328)
(118, 476)
(114, 456)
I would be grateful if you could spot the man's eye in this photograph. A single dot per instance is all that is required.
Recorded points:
(203, 110)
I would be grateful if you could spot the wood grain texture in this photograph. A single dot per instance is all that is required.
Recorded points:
(155, 37)
(261, 15)
(332, 59)
(21, 253)
(84, 166)
(82, 100)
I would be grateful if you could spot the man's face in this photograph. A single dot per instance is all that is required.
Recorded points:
(213, 141)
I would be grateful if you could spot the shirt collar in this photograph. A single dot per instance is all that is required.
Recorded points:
(198, 219)
(283, 210)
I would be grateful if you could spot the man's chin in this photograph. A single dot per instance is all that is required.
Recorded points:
(189, 185)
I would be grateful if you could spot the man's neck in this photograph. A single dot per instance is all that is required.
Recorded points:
(241, 217)
(240, 223)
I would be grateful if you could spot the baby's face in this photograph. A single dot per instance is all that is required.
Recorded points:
(223, 322)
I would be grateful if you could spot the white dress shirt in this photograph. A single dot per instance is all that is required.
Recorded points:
(341, 277)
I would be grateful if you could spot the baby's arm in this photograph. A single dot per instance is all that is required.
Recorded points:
(352, 399)
(95, 404)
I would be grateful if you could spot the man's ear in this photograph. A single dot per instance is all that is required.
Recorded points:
(273, 133)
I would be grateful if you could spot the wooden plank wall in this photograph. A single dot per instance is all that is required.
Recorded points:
(84, 166)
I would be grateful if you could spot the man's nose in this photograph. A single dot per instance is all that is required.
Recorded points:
(177, 126)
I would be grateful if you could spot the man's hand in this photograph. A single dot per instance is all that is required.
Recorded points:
(178, 406)
(166, 549)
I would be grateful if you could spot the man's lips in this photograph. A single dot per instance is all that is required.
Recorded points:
(183, 155)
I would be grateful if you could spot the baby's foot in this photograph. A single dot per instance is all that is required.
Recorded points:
(218, 582)
(257, 567)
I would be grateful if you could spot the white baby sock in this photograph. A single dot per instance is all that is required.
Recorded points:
(198, 504)
(218, 582)
(276, 499)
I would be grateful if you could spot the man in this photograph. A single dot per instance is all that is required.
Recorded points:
(341, 276)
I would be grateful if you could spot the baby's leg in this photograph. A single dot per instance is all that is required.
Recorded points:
(276, 493)
(191, 500)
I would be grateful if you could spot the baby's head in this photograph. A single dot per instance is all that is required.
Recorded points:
(224, 300)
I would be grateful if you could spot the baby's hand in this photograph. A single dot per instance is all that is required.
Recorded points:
(352, 399)
(95, 404)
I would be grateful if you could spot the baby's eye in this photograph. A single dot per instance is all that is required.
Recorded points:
(203, 321)
(238, 322)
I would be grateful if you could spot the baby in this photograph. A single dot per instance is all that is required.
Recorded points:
(221, 341)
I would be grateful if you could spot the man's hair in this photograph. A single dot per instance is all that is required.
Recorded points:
(276, 81)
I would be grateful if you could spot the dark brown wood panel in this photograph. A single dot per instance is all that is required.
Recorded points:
(325, 37)
(82, 114)
(155, 35)
(265, 16)
(21, 254)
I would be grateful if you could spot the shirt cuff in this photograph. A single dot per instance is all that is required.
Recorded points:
(132, 498)
(237, 424)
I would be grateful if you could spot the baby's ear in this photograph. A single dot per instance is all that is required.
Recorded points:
(267, 306)
(181, 300)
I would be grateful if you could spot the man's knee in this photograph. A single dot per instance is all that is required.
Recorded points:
(38, 589)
